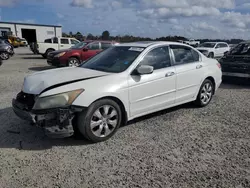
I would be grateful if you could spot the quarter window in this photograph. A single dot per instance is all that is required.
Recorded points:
(183, 55)
(47, 41)
(158, 58)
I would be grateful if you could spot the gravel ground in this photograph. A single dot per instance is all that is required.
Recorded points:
(180, 147)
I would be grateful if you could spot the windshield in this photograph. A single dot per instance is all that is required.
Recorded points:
(207, 45)
(240, 49)
(79, 45)
(115, 59)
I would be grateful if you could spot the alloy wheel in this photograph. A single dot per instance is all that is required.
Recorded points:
(206, 93)
(73, 63)
(4, 56)
(104, 121)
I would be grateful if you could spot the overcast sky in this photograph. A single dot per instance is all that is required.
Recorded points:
(153, 18)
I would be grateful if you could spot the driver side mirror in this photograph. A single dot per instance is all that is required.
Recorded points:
(85, 49)
(145, 69)
(216, 47)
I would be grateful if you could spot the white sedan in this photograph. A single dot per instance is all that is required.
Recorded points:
(124, 82)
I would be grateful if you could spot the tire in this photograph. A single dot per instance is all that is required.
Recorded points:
(98, 130)
(4, 55)
(206, 91)
(47, 52)
(73, 62)
(211, 55)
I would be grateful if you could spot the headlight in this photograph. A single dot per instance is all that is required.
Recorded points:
(61, 54)
(58, 100)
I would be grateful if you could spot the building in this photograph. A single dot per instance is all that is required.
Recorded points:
(31, 32)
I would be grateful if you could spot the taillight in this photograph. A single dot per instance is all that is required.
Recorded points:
(219, 65)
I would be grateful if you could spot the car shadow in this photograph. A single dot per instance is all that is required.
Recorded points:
(235, 83)
(162, 112)
(41, 68)
(35, 57)
(19, 134)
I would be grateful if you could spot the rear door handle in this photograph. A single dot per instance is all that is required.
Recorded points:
(170, 74)
(198, 66)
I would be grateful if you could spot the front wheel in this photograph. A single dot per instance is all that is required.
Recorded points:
(4, 55)
(100, 121)
(73, 62)
(205, 94)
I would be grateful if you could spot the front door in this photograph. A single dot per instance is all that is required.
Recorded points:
(91, 50)
(188, 71)
(155, 91)
(65, 43)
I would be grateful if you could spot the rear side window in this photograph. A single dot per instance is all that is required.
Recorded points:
(105, 45)
(64, 41)
(224, 45)
(184, 55)
(158, 58)
(55, 40)
(94, 46)
(48, 41)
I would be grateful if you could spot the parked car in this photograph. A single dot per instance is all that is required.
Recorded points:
(6, 50)
(1, 61)
(121, 83)
(76, 54)
(236, 63)
(53, 44)
(23, 42)
(213, 49)
(192, 42)
(14, 41)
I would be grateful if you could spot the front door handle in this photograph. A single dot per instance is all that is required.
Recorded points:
(170, 74)
(62, 45)
(198, 66)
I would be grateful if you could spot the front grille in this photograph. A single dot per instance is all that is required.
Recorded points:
(26, 99)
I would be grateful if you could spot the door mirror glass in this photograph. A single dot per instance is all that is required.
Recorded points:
(85, 49)
(145, 69)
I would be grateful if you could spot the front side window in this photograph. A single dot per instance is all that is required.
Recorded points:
(158, 58)
(184, 54)
(64, 41)
(207, 45)
(74, 41)
(94, 46)
(79, 45)
(115, 59)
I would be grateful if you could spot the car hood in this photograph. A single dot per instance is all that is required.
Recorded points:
(203, 48)
(45, 80)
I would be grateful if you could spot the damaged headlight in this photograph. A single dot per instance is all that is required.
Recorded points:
(58, 100)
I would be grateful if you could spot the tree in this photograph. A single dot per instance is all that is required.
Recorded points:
(65, 35)
(79, 36)
(90, 37)
(105, 35)
(70, 34)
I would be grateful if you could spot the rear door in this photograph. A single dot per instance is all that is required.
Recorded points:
(65, 43)
(189, 72)
(92, 49)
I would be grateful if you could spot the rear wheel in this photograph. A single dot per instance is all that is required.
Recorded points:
(4, 55)
(73, 62)
(100, 121)
(205, 94)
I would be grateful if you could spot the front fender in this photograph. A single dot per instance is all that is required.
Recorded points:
(86, 98)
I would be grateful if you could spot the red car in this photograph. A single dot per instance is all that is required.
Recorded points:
(76, 54)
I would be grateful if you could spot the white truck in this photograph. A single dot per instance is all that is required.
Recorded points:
(55, 43)
(192, 42)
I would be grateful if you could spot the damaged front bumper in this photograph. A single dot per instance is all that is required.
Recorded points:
(57, 123)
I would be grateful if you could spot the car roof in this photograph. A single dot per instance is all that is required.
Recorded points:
(145, 44)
